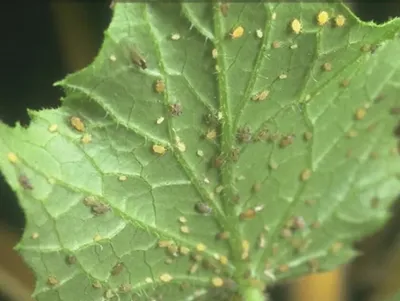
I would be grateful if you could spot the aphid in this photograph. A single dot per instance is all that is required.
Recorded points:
(259, 208)
(12, 158)
(224, 7)
(310, 202)
(200, 153)
(360, 113)
(53, 128)
(113, 58)
(366, 48)
(202, 208)
(77, 123)
(247, 214)
(168, 261)
(322, 18)
(305, 174)
(219, 161)
(296, 26)
(223, 259)
(261, 96)
(261, 241)
(97, 237)
(374, 203)
(340, 20)
(52, 280)
(180, 145)
(217, 282)
(313, 264)
(196, 257)
(166, 277)
(283, 268)
(175, 36)
(327, 67)
(159, 86)
(211, 134)
(259, 33)
(86, 138)
(35, 235)
(193, 268)
(175, 109)
(262, 135)
(256, 187)
(185, 229)
(122, 178)
(235, 152)
(96, 284)
(90, 201)
(173, 250)
(282, 76)
(222, 235)
(219, 189)
(183, 250)
(395, 111)
(137, 59)
(294, 46)
(286, 233)
(117, 269)
(345, 83)
(125, 287)
(298, 222)
(336, 247)
(243, 135)
(71, 259)
(245, 249)
(286, 140)
(352, 133)
(237, 32)
(182, 219)
(276, 44)
(200, 247)
(148, 280)
(214, 53)
(25, 183)
(307, 136)
(159, 149)
(100, 208)
(316, 225)
(273, 165)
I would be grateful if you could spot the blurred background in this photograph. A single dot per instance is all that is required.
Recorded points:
(43, 42)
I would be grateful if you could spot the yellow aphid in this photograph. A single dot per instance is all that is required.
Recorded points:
(97, 237)
(217, 281)
(86, 138)
(164, 243)
(159, 86)
(305, 174)
(184, 250)
(53, 128)
(296, 26)
(211, 134)
(360, 113)
(35, 235)
(185, 229)
(113, 58)
(77, 124)
(159, 149)
(122, 178)
(322, 18)
(166, 277)
(340, 20)
(201, 247)
(223, 259)
(237, 32)
(175, 36)
(245, 249)
(214, 53)
(12, 157)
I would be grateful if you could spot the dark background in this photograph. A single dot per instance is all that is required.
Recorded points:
(42, 42)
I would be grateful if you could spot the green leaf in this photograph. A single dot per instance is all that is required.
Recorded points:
(264, 154)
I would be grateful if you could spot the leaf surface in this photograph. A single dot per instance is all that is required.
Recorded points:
(209, 146)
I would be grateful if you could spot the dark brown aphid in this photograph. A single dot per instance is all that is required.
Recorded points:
(224, 7)
(137, 59)
(219, 161)
(203, 208)
(211, 119)
(395, 111)
(248, 214)
(175, 109)
(243, 135)
(298, 223)
(25, 183)
(286, 140)
(117, 269)
(235, 152)
(71, 259)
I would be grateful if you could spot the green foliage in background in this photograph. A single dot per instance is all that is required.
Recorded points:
(208, 151)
